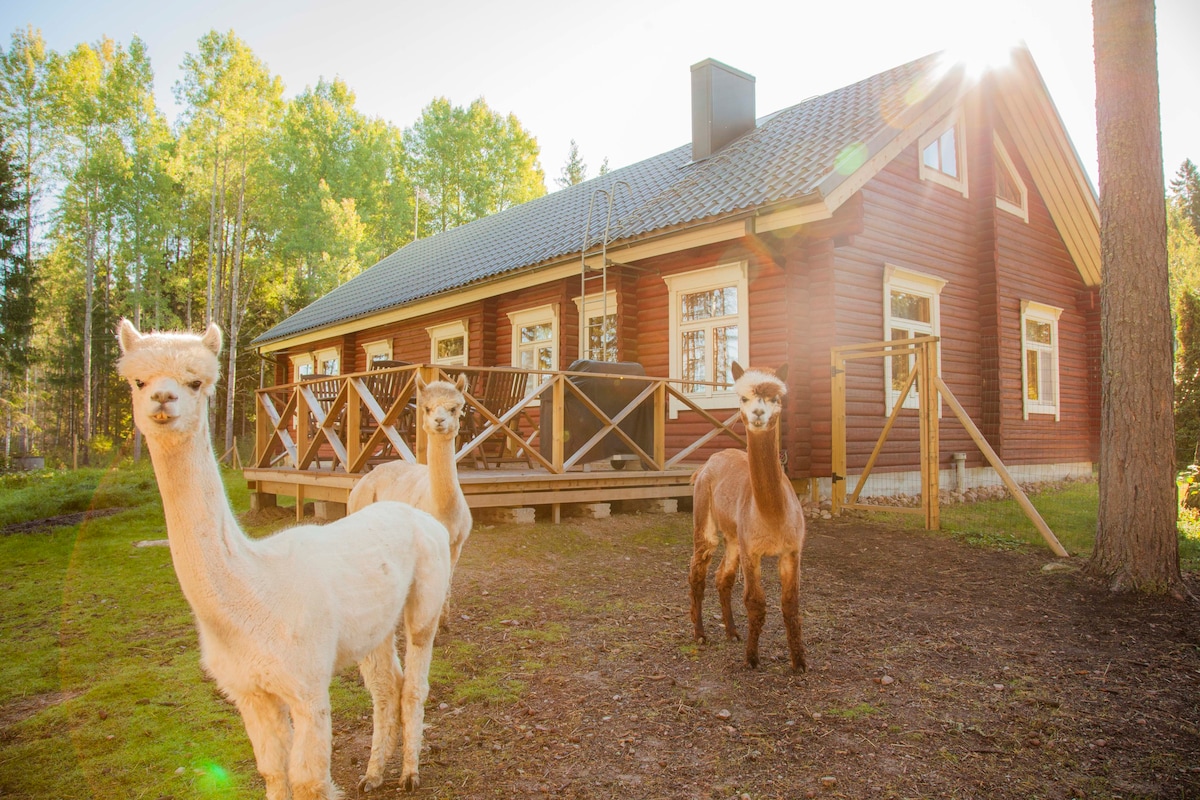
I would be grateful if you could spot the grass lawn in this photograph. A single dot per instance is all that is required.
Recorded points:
(100, 681)
(101, 691)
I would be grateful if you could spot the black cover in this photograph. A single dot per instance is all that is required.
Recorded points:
(610, 395)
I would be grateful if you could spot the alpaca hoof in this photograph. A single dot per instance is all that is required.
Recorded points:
(367, 783)
(752, 660)
(412, 782)
(732, 635)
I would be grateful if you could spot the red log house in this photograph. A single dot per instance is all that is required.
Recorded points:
(919, 201)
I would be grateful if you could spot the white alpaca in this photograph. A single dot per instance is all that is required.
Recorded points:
(278, 616)
(747, 496)
(433, 487)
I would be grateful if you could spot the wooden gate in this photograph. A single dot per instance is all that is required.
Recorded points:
(917, 360)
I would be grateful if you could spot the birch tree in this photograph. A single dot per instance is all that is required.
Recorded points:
(232, 105)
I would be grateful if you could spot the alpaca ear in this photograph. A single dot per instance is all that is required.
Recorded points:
(212, 338)
(128, 337)
(781, 373)
(461, 383)
(737, 370)
(421, 384)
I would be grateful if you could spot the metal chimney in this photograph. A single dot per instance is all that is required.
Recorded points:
(722, 106)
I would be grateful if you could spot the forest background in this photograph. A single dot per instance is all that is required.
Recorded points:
(247, 208)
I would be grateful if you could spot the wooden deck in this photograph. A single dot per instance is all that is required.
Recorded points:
(528, 439)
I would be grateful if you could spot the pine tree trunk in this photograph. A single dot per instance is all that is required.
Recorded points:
(1136, 539)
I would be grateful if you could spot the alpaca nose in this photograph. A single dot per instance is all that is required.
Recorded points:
(163, 396)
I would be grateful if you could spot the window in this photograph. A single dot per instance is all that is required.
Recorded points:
(328, 361)
(1010, 189)
(1039, 362)
(535, 338)
(378, 351)
(910, 309)
(448, 343)
(599, 322)
(709, 331)
(302, 366)
(944, 156)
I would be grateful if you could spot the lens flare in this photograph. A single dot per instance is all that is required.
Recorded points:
(212, 777)
(852, 157)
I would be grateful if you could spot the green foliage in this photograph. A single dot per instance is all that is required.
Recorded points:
(574, 171)
(470, 162)
(245, 209)
(1187, 378)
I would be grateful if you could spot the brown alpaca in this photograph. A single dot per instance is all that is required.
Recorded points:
(746, 496)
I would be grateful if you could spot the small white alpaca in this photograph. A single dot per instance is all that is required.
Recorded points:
(431, 487)
(278, 616)
(747, 496)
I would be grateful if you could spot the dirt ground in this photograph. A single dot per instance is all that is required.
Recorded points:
(936, 670)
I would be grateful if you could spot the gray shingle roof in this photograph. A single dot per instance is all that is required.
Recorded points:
(787, 157)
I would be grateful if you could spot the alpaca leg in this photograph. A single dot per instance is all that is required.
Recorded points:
(308, 766)
(455, 552)
(789, 583)
(270, 734)
(418, 654)
(756, 606)
(704, 536)
(384, 678)
(726, 577)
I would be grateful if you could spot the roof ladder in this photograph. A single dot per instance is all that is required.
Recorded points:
(610, 195)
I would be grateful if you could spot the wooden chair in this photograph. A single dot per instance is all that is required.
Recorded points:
(499, 392)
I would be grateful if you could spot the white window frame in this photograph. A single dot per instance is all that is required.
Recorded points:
(592, 308)
(325, 355)
(299, 362)
(927, 173)
(1002, 158)
(1040, 312)
(540, 315)
(449, 330)
(378, 351)
(909, 281)
(700, 280)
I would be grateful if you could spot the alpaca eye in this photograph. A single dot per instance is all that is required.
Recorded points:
(140, 384)
(195, 385)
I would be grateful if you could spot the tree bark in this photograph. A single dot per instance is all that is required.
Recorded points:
(1137, 545)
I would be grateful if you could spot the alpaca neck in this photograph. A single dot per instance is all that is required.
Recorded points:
(768, 484)
(444, 490)
(207, 545)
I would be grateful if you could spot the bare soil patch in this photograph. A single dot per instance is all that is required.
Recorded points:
(936, 670)
(47, 524)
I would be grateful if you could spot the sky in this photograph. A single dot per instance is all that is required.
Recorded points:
(615, 76)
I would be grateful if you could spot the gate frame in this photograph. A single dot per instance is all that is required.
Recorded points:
(924, 375)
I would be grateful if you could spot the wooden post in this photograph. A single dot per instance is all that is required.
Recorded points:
(838, 432)
(261, 421)
(660, 426)
(558, 395)
(930, 441)
(353, 433)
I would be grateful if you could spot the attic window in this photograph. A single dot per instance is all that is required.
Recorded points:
(1010, 189)
(943, 155)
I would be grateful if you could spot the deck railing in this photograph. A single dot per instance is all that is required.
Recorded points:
(346, 423)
